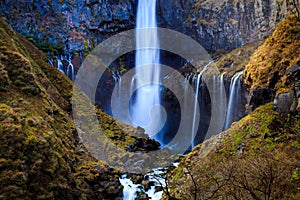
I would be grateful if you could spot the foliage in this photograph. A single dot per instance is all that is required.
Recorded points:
(257, 158)
(279, 53)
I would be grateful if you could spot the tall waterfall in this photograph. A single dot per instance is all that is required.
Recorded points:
(194, 131)
(234, 100)
(144, 107)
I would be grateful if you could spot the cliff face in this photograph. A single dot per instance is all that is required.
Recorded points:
(218, 24)
(78, 25)
(75, 25)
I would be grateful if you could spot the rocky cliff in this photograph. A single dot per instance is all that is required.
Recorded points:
(258, 156)
(72, 25)
(272, 73)
(229, 24)
(75, 25)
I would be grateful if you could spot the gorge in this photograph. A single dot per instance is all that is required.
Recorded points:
(240, 104)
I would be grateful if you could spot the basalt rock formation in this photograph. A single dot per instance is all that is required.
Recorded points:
(74, 25)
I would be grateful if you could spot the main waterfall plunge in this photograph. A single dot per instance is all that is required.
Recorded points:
(151, 107)
(145, 106)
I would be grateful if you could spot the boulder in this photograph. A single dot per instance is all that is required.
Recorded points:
(283, 102)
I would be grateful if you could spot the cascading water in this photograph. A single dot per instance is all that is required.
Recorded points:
(50, 59)
(144, 108)
(194, 131)
(70, 68)
(130, 189)
(59, 64)
(234, 100)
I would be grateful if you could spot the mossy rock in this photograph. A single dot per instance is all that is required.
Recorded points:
(280, 52)
(40, 153)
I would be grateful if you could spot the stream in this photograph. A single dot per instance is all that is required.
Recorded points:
(156, 178)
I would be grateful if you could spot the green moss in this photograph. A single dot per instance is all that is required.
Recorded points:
(40, 153)
(280, 52)
(260, 142)
(50, 47)
(236, 60)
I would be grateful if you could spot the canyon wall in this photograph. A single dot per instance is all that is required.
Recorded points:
(76, 25)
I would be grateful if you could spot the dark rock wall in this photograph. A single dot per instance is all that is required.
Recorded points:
(76, 24)
(80, 25)
(219, 24)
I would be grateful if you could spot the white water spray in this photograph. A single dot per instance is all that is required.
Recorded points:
(145, 109)
(70, 68)
(234, 100)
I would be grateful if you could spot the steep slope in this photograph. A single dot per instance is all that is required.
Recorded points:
(40, 153)
(272, 69)
(258, 157)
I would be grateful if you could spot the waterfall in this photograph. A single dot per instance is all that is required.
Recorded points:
(234, 100)
(59, 64)
(144, 107)
(50, 59)
(218, 102)
(69, 71)
(194, 132)
(222, 100)
(70, 68)
(115, 77)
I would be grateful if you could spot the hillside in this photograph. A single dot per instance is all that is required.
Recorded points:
(40, 153)
(272, 70)
(258, 157)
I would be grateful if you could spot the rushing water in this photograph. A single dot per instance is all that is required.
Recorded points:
(234, 100)
(70, 68)
(130, 189)
(59, 64)
(144, 108)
